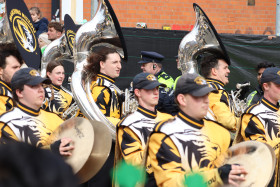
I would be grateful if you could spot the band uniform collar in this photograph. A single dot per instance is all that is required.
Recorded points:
(28, 110)
(210, 80)
(8, 86)
(190, 121)
(270, 105)
(146, 112)
(102, 75)
(56, 87)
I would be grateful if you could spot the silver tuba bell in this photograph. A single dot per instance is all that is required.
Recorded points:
(202, 39)
(5, 31)
(56, 50)
(102, 30)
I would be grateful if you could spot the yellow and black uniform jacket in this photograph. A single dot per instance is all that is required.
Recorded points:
(219, 106)
(260, 122)
(58, 100)
(183, 145)
(6, 97)
(106, 97)
(27, 125)
(133, 131)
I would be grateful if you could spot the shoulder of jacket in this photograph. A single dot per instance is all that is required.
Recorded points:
(160, 124)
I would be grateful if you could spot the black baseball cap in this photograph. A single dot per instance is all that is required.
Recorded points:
(271, 74)
(146, 81)
(193, 84)
(27, 76)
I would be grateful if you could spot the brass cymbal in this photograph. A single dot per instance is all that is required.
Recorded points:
(92, 142)
(258, 160)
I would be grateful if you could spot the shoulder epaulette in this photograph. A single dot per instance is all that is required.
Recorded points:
(159, 125)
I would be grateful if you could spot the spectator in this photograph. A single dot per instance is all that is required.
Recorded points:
(43, 41)
(55, 31)
(40, 23)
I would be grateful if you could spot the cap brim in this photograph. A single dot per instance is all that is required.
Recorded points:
(203, 91)
(143, 61)
(37, 80)
(153, 85)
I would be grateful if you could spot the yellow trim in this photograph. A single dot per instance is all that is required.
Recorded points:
(106, 77)
(270, 105)
(6, 86)
(216, 81)
(187, 119)
(159, 125)
(30, 111)
(154, 115)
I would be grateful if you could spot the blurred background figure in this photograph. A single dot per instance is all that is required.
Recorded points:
(257, 94)
(43, 41)
(40, 23)
(24, 165)
(2, 8)
(55, 30)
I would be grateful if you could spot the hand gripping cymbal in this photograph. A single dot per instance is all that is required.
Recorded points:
(257, 158)
(92, 142)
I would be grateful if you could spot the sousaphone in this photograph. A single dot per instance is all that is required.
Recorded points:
(202, 39)
(102, 30)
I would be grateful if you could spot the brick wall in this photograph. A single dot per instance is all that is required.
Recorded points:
(228, 16)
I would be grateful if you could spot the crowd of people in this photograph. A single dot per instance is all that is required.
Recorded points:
(179, 127)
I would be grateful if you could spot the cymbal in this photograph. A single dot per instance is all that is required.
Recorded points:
(92, 142)
(258, 160)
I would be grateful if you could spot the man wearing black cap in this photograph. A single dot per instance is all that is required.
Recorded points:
(190, 143)
(215, 69)
(151, 63)
(134, 129)
(27, 122)
(10, 62)
(260, 121)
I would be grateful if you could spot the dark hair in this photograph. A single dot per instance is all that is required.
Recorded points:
(15, 97)
(57, 26)
(93, 67)
(24, 165)
(37, 10)
(209, 62)
(6, 50)
(53, 64)
(264, 64)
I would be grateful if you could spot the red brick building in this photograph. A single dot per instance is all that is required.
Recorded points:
(228, 16)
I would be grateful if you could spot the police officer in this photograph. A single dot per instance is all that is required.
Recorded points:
(151, 62)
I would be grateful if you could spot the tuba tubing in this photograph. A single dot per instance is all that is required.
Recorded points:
(102, 30)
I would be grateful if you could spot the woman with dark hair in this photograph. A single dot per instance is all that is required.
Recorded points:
(57, 98)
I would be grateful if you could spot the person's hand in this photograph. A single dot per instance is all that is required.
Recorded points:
(236, 175)
(65, 147)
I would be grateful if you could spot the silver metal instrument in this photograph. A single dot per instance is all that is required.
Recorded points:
(102, 30)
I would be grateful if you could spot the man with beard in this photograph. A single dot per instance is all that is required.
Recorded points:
(27, 122)
(189, 143)
(10, 62)
(215, 69)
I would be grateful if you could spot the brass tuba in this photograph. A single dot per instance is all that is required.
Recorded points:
(102, 30)
(202, 39)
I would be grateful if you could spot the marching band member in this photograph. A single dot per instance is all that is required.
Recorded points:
(27, 122)
(215, 69)
(134, 129)
(10, 62)
(260, 121)
(190, 143)
(57, 100)
(103, 67)
(151, 62)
